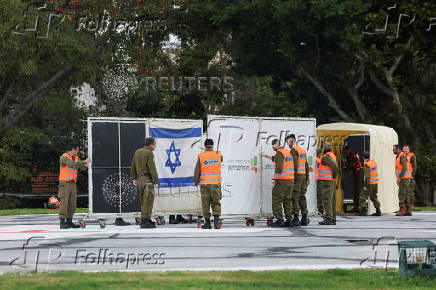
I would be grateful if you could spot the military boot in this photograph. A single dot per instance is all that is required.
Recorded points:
(69, 222)
(181, 219)
(363, 211)
(147, 224)
(207, 225)
(278, 223)
(63, 225)
(295, 221)
(121, 222)
(304, 220)
(288, 223)
(377, 212)
(408, 211)
(172, 220)
(401, 212)
(216, 222)
(327, 222)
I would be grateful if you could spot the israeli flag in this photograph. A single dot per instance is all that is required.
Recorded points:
(177, 147)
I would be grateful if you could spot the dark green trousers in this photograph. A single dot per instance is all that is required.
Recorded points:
(299, 195)
(411, 190)
(328, 192)
(68, 199)
(403, 192)
(371, 192)
(282, 198)
(146, 197)
(211, 198)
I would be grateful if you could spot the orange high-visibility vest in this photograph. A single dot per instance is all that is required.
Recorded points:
(302, 158)
(373, 172)
(409, 158)
(325, 172)
(399, 167)
(210, 167)
(318, 162)
(288, 165)
(68, 173)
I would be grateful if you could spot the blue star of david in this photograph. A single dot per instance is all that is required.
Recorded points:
(177, 162)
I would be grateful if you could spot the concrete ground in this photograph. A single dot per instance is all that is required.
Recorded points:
(35, 242)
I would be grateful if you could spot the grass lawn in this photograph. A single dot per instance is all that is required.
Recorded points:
(424, 208)
(21, 211)
(319, 279)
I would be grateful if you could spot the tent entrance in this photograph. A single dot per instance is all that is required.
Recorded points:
(338, 139)
(358, 143)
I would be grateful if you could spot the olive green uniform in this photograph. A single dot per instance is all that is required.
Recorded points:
(210, 193)
(369, 190)
(68, 189)
(282, 191)
(328, 189)
(411, 191)
(143, 170)
(404, 185)
(299, 194)
(356, 177)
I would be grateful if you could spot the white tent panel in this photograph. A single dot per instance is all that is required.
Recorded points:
(382, 140)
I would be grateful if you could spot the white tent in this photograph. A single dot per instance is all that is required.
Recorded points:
(382, 140)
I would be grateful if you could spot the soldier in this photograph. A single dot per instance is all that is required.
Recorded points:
(327, 173)
(354, 167)
(301, 182)
(208, 174)
(403, 170)
(69, 164)
(411, 157)
(370, 187)
(144, 174)
(283, 184)
(318, 183)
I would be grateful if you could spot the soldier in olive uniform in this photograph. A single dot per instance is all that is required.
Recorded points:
(283, 185)
(69, 164)
(328, 170)
(354, 167)
(411, 157)
(370, 186)
(144, 174)
(301, 182)
(208, 174)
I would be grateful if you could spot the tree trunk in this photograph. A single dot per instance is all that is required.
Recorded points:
(13, 117)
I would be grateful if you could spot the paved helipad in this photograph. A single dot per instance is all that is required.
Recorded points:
(35, 242)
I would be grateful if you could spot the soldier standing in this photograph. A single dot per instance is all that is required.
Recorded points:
(328, 170)
(69, 164)
(208, 174)
(354, 167)
(411, 157)
(370, 187)
(301, 182)
(283, 184)
(403, 171)
(318, 183)
(144, 174)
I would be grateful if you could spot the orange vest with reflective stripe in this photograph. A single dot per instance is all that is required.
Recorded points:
(325, 172)
(373, 172)
(409, 158)
(318, 162)
(210, 167)
(399, 167)
(302, 159)
(288, 165)
(68, 173)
